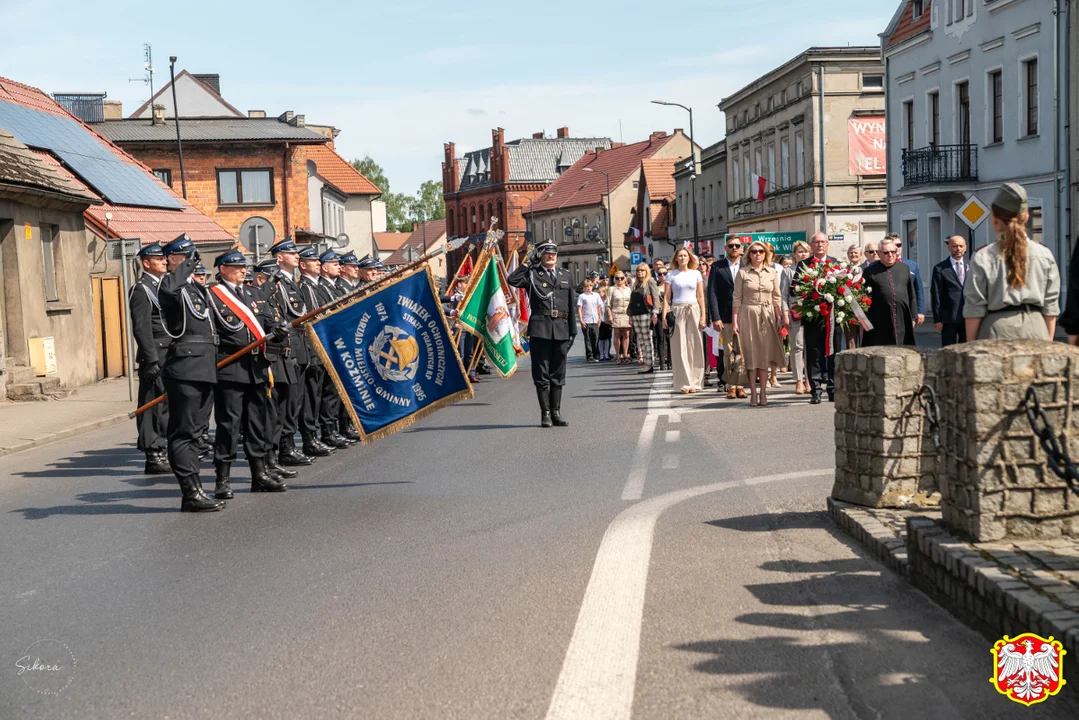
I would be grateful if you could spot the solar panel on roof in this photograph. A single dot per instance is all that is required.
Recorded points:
(86, 156)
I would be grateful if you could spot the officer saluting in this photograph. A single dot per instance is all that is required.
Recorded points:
(152, 344)
(190, 370)
(552, 327)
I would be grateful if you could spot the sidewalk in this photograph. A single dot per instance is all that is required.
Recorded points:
(25, 425)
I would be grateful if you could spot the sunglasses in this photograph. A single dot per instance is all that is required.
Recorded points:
(619, 277)
(870, 252)
(756, 252)
(733, 247)
(887, 252)
(899, 245)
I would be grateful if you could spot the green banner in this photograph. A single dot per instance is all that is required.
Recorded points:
(783, 242)
(486, 314)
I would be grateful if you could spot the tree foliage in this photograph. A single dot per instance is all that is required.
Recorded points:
(403, 210)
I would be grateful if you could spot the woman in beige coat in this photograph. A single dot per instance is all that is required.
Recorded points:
(758, 316)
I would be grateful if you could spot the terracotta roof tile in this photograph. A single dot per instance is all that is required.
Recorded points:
(659, 176)
(435, 231)
(148, 224)
(390, 241)
(337, 171)
(578, 188)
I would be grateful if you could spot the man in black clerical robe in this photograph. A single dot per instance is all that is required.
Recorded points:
(892, 296)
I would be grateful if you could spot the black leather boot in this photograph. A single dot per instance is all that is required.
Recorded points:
(222, 491)
(262, 481)
(276, 469)
(350, 433)
(545, 407)
(290, 457)
(195, 500)
(556, 407)
(157, 464)
(331, 438)
(315, 448)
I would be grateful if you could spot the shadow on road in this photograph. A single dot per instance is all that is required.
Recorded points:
(119, 461)
(46, 512)
(466, 427)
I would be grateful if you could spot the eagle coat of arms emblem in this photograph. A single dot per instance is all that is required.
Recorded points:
(1028, 668)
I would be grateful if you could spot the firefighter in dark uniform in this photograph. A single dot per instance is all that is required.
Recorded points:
(242, 392)
(552, 327)
(314, 373)
(190, 370)
(348, 282)
(152, 344)
(290, 301)
(330, 407)
(282, 368)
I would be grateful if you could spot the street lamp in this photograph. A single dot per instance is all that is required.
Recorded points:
(531, 215)
(606, 214)
(693, 172)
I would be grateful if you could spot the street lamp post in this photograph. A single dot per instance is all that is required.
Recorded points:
(606, 215)
(692, 173)
(531, 215)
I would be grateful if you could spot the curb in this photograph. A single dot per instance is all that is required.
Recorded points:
(884, 543)
(65, 434)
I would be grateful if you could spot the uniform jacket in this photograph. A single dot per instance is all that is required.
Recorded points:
(279, 352)
(147, 325)
(253, 367)
(309, 290)
(547, 294)
(720, 291)
(192, 356)
(344, 287)
(327, 291)
(284, 293)
(946, 293)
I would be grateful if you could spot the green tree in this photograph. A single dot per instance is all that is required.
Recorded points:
(429, 203)
(402, 210)
(373, 172)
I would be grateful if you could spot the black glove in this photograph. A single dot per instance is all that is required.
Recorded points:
(280, 331)
(151, 371)
(195, 256)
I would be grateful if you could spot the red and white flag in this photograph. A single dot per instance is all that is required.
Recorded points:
(759, 184)
(636, 233)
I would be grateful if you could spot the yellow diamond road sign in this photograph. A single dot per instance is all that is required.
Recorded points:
(973, 212)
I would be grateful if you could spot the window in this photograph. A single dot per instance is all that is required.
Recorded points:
(783, 96)
(745, 117)
(245, 187)
(872, 82)
(636, 184)
(164, 175)
(756, 111)
(48, 235)
(910, 239)
(908, 124)
(449, 220)
(708, 206)
(772, 164)
(916, 9)
(748, 187)
(1034, 225)
(1030, 73)
(962, 91)
(704, 206)
(501, 217)
(934, 118)
(717, 211)
(736, 178)
(771, 103)
(784, 162)
(800, 91)
(800, 158)
(996, 91)
(475, 225)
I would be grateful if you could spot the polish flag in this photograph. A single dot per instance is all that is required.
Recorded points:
(759, 184)
(636, 233)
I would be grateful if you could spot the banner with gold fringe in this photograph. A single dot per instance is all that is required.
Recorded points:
(390, 355)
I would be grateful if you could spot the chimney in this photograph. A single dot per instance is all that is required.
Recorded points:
(285, 117)
(213, 80)
(256, 113)
(296, 120)
(159, 114)
(537, 136)
(599, 149)
(657, 135)
(617, 145)
(415, 226)
(563, 132)
(113, 110)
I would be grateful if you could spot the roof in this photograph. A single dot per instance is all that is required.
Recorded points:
(531, 160)
(168, 88)
(578, 187)
(904, 25)
(819, 54)
(338, 172)
(390, 241)
(659, 176)
(207, 130)
(27, 170)
(149, 224)
(660, 219)
(427, 233)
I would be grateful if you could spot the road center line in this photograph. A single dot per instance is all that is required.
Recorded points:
(658, 404)
(599, 673)
(673, 435)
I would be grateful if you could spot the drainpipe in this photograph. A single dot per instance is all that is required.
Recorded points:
(823, 159)
(176, 118)
(1061, 245)
(284, 188)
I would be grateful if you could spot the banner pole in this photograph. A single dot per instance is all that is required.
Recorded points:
(365, 290)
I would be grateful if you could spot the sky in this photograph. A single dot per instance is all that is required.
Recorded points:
(400, 78)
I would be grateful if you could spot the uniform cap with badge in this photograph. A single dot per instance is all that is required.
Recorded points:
(350, 258)
(182, 245)
(309, 253)
(329, 256)
(151, 250)
(288, 245)
(231, 259)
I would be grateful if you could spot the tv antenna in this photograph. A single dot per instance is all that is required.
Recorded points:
(148, 68)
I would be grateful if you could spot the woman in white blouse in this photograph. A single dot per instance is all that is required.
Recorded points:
(684, 298)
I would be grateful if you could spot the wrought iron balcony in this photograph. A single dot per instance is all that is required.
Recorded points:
(940, 164)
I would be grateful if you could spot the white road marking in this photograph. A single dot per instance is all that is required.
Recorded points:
(659, 404)
(670, 461)
(599, 673)
(673, 435)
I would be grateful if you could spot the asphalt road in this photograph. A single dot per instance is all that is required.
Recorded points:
(664, 557)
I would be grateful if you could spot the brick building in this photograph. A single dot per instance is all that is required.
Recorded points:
(503, 181)
(237, 167)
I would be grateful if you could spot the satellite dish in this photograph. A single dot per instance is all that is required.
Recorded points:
(257, 234)
(341, 241)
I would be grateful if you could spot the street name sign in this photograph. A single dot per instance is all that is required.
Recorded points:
(783, 242)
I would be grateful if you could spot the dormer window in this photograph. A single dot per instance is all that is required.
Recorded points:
(917, 8)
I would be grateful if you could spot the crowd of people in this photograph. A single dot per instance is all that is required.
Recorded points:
(738, 314)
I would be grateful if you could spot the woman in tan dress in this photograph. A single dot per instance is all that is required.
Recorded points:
(618, 316)
(758, 316)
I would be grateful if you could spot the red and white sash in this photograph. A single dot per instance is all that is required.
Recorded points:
(242, 311)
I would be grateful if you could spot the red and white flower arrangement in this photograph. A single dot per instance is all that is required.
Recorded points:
(831, 294)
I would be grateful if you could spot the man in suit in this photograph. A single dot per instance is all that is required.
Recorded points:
(152, 345)
(946, 293)
(552, 327)
(819, 364)
(240, 399)
(721, 310)
(916, 273)
(870, 253)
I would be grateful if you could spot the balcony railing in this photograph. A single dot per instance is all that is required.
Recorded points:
(940, 164)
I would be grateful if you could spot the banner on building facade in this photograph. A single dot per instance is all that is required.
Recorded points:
(391, 356)
(868, 145)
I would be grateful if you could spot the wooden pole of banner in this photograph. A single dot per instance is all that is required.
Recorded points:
(364, 290)
(475, 359)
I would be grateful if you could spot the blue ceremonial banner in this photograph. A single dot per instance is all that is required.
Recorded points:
(391, 356)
